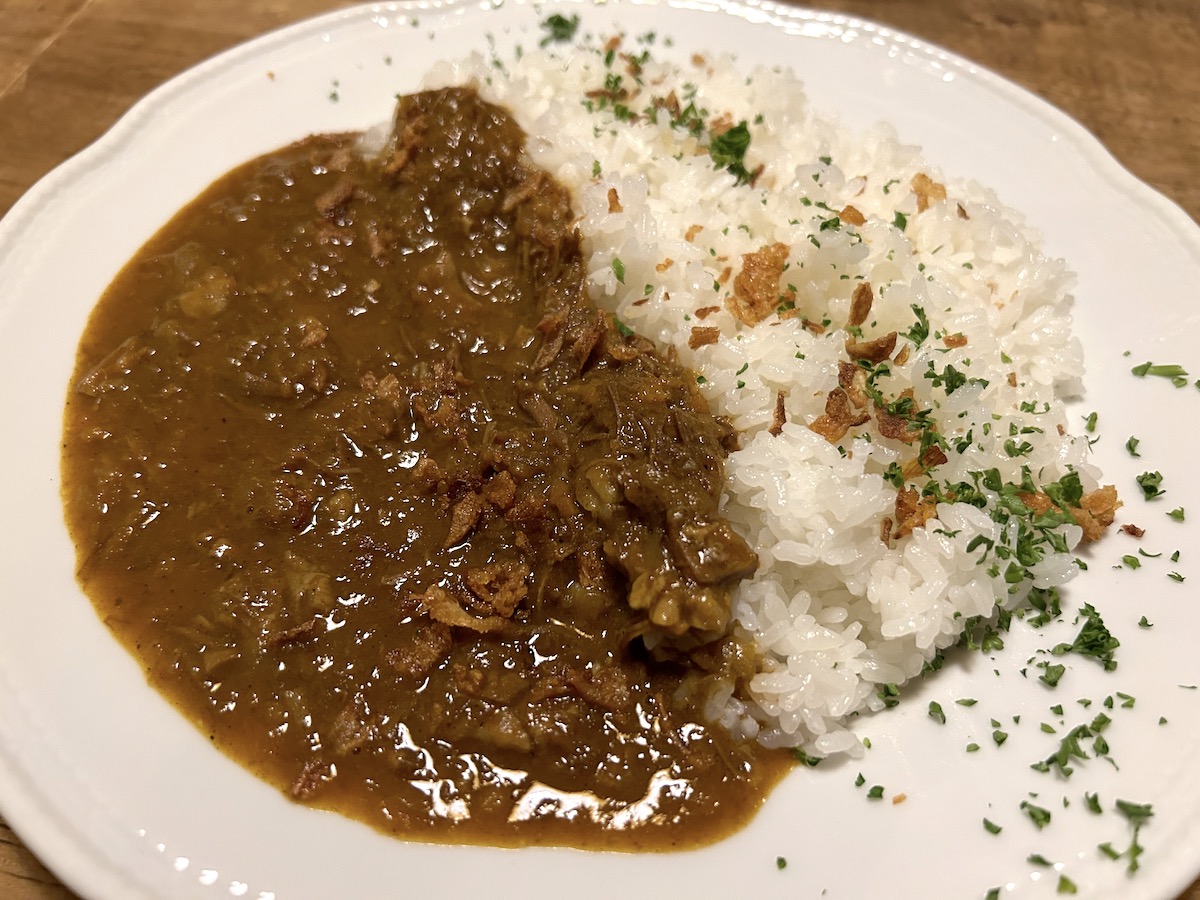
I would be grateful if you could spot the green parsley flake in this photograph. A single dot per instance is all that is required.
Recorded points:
(991, 827)
(875, 793)
(1131, 446)
(936, 713)
(920, 331)
(1137, 814)
(1151, 484)
(1176, 514)
(559, 29)
(1051, 674)
(618, 268)
(805, 759)
(780, 862)
(1039, 816)
(1093, 640)
(728, 151)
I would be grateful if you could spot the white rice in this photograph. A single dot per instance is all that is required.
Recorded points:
(837, 611)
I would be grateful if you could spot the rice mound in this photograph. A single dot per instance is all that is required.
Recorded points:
(839, 612)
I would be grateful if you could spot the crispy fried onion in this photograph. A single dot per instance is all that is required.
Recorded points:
(860, 303)
(845, 407)
(1096, 511)
(756, 288)
(849, 405)
(927, 190)
(912, 512)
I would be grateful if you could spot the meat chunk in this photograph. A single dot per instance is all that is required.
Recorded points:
(332, 204)
(428, 646)
(463, 518)
(500, 585)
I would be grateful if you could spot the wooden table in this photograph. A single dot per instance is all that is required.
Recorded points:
(1130, 72)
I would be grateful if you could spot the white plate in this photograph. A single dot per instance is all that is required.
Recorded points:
(123, 798)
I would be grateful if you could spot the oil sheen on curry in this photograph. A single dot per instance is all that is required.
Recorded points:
(398, 518)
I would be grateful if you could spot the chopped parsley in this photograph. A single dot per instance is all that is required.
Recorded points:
(1151, 484)
(1051, 674)
(1093, 640)
(728, 151)
(889, 694)
(805, 758)
(952, 379)
(559, 29)
(1039, 816)
(618, 268)
(1137, 814)
(1071, 748)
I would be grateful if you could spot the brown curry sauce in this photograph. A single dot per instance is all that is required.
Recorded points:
(398, 518)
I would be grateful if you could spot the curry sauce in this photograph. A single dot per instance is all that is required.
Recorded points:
(398, 518)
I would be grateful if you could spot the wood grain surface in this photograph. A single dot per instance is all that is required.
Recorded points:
(1128, 71)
